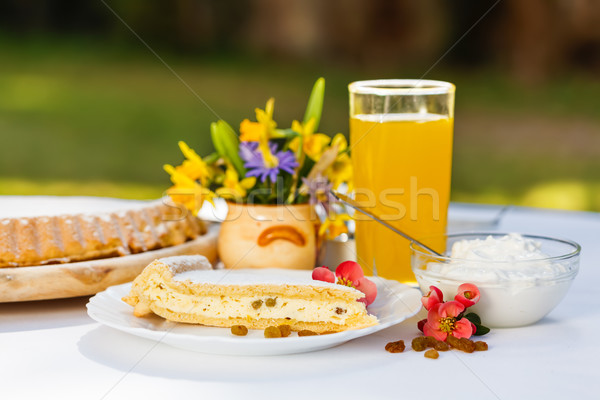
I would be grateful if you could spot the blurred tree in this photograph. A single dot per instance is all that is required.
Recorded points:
(533, 38)
(543, 37)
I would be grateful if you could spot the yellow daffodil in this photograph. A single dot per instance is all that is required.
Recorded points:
(334, 225)
(313, 144)
(233, 188)
(253, 131)
(341, 169)
(193, 167)
(261, 131)
(187, 191)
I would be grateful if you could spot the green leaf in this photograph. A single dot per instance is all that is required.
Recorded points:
(227, 145)
(216, 139)
(481, 330)
(211, 158)
(314, 108)
(284, 133)
(474, 318)
(306, 167)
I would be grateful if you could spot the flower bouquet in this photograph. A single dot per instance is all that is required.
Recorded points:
(265, 166)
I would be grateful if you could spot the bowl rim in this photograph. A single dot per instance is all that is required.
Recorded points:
(576, 252)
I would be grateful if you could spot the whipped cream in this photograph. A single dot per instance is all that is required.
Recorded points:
(512, 247)
(518, 282)
(508, 258)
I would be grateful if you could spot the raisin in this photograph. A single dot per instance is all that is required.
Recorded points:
(285, 330)
(272, 332)
(481, 346)
(256, 304)
(339, 311)
(420, 343)
(270, 302)
(306, 332)
(441, 346)
(395, 347)
(468, 346)
(462, 344)
(453, 341)
(432, 353)
(239, 330)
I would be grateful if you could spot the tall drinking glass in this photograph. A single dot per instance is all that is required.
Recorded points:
(401, 143)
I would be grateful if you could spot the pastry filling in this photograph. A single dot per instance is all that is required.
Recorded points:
(256, 307)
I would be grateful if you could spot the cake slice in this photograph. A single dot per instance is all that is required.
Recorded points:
(187, 289)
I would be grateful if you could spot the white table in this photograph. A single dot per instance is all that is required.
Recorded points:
(52, 349)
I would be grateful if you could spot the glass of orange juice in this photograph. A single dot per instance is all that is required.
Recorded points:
(401, 143)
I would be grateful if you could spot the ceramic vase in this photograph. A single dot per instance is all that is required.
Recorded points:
(269, 236)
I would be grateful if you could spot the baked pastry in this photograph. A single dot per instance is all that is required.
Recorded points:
(186, 289)
(37, 230)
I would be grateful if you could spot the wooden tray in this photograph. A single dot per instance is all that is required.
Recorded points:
(89, 277)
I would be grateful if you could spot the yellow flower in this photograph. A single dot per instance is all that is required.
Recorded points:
(193, 167)
(187, 191)
(233, 188)
(334, 226)
(253, 131)
(261, 132)
(313, 144)
(341, 169)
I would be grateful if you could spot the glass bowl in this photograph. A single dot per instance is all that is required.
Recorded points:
(514, 292)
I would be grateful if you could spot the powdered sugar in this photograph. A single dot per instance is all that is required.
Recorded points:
(244, 277)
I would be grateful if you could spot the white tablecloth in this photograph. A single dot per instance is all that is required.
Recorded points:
(52, 349)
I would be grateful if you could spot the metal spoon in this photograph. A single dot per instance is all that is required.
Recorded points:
(351, 203)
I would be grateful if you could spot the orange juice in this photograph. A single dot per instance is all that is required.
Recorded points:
(402, 165)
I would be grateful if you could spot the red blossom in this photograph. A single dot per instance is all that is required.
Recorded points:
(442, 321)
(369, 289)
(323, 274)
(433, 297)
(468, 294)
(349, 273)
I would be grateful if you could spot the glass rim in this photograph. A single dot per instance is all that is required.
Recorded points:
(575, 248)
(388, 87)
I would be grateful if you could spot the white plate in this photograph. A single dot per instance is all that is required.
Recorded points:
(395, 302)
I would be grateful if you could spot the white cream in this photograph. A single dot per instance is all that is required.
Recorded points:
(241, 307)
(512, 247)
(308, 310)
(518, 283)
(496, 260)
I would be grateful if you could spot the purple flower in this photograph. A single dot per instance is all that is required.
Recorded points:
(319, 190)
(253, 160)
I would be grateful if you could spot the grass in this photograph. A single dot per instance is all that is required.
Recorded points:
(84, 118)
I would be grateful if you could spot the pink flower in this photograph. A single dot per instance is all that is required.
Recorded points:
(442, 321)
(369, 289)
(349, 273)
(433, 297)
(468, 294)
(323, 274)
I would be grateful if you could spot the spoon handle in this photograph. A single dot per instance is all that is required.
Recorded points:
(351, 203)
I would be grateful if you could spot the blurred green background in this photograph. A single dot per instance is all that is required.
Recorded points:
(86, 108)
